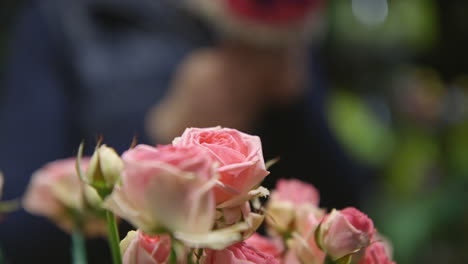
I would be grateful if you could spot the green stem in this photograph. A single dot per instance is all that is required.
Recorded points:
(78, 248)
(173, 256)
(114, 238)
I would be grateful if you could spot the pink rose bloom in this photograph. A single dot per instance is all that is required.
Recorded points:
(168, 188)
(345, 232)
(56, 190)
(296, 192)
(265, 245)
(139, 248)
(239, 253)
(240, 157)
(376, 253)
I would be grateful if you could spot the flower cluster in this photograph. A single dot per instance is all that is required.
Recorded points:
(301, 232)
(196, 201)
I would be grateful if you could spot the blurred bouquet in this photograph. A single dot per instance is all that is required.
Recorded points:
(197, 200)
(264, 22)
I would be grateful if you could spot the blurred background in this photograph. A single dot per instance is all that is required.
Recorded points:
(393, 76)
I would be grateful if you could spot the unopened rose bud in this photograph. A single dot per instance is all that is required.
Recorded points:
(343, 233)
(104, 170)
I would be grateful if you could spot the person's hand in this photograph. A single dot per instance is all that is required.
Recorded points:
(227, 86)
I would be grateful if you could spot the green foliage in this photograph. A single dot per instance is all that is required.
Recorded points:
(359, 129)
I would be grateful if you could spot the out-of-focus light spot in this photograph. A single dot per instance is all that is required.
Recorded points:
(370, 12)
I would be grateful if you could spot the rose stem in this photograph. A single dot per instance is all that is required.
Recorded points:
(114, 238)
(78, 247)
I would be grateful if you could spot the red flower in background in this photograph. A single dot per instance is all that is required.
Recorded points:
(272, 11)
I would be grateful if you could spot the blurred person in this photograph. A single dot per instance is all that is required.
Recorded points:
(80, 69)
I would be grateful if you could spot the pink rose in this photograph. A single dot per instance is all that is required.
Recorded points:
(168, 188)
(56, 190)
(296, 192)
(376, 253)
(239, 253)
(345, 232)
(240, 157)
(287, 199)
(139, 248)
(265, 245)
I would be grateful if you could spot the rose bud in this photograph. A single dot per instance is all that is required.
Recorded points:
(240, 253)
(343, 233)
(139, 248)
(104, 170)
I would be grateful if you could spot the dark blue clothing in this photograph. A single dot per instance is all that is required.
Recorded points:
(80, 69)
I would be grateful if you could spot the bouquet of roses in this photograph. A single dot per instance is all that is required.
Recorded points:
(198, 200)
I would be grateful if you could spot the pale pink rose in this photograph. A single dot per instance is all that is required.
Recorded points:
(55, 191)
(266, 245)
(376, 253)
(167, 188)
(296, 191)
(240, 157)
(239, 253)
(345, 232)
(140, 248)
(285, 201)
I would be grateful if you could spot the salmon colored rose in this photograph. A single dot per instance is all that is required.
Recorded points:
(56, 192)
(265, 245)
(240, 157)
(345, 232)
(139, 248)
(240, 253)
(376, 253)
